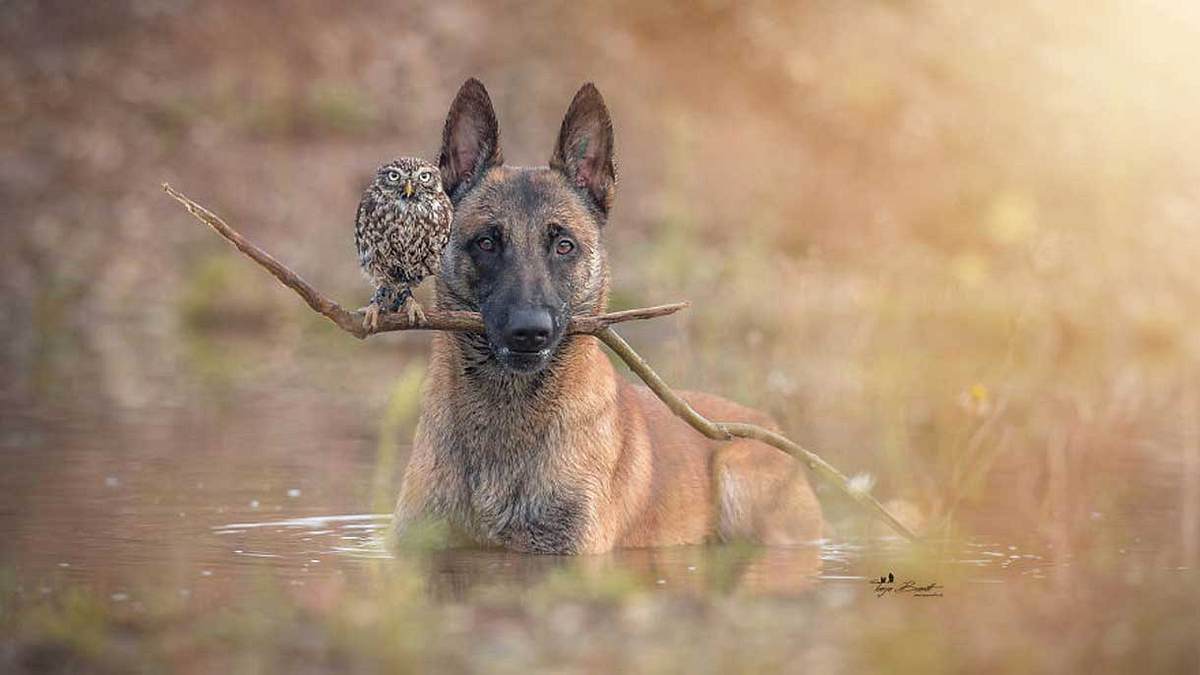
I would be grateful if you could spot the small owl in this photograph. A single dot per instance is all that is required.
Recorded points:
(403, 224)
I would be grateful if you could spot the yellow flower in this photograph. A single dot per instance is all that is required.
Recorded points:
(975, 400)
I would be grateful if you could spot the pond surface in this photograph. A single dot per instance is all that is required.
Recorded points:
(121, 503)
(273, 502)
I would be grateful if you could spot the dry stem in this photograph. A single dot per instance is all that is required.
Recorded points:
(599, 325)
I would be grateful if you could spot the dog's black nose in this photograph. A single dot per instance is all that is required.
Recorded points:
(528, 330)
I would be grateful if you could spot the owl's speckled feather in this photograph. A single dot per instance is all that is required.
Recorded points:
(402, 226)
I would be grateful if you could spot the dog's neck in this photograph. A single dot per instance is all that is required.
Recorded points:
(475, 375)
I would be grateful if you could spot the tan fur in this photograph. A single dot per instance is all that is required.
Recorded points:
(650, 479)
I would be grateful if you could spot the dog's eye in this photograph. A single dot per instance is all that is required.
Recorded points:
(486, 244)
(564, 246)
(393, 176)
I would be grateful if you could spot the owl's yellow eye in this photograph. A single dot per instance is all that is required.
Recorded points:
(425, 176)
(393, 176)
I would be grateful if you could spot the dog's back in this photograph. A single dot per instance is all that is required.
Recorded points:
(528, 439)
(741, 489)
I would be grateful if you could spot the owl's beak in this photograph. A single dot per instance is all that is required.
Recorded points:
(408, 189)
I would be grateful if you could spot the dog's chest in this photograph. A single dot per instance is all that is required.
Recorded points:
(516, 498)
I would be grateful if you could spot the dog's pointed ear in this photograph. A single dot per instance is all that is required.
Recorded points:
(584, 151)
(470, 140)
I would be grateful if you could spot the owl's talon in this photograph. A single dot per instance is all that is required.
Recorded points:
(371, 318)
(416, 313)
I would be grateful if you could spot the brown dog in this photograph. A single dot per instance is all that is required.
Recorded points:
(528, 439)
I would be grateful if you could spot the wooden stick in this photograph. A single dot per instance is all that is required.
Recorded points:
(728, 430)
(598, 325)
(352, 321)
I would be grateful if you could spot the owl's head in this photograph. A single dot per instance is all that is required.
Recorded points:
(526, 249)
(407, 178)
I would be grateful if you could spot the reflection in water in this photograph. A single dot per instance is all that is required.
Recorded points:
(346, 540)
(456, 573)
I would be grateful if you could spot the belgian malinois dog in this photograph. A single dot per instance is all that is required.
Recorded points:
(528, 440)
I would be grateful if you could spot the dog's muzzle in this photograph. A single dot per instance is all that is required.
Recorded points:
(527, 339)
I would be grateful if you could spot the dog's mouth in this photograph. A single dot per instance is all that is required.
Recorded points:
(523, 362)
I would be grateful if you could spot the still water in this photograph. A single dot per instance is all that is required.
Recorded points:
(198, 498)
(207, 498)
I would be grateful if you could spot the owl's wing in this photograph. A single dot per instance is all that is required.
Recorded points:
(445, 216)
(360, 225)
(438, 235)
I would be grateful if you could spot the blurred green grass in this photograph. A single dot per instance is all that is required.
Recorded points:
(598, 620)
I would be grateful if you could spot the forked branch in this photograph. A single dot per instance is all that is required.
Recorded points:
(599, 326)
(352, 321)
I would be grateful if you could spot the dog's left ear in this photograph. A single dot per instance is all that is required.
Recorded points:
(470, 140)
(585, 147)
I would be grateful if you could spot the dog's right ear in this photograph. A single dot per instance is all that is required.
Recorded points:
(470, 140)
(584, 152)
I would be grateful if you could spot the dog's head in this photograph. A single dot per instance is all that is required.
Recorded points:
(525, 250)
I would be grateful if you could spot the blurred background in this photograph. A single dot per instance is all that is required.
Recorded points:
(950, 246)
